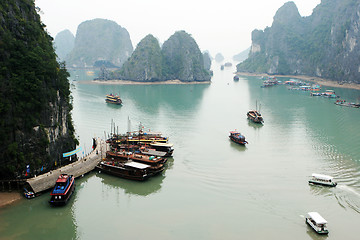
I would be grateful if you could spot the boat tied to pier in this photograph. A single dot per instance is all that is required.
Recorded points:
(237, 137)
(114, 99)
(64, 188)
(317, 222)
(320, 179)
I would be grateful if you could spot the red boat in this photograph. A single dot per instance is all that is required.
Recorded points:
(237, 137)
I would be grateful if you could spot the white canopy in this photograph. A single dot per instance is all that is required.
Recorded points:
(317, 218)
(137, 165)
(321, 176)
(162, 144)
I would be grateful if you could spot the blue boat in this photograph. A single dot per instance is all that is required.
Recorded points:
(64, 188)
(237, 137)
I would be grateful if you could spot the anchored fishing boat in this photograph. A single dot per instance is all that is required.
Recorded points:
(317, 222)
(64, 188)
(114, 99)
(255, 115)
(237, 137)
(321, 179)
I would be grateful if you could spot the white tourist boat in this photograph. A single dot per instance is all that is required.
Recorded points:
(321, 179)
(317, 222)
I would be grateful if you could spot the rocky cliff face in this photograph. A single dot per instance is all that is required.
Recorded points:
(100, 39)
(64, 44)
(180, 58)
(35, 121)
(324, 44)
(145, 63)
(183, 58)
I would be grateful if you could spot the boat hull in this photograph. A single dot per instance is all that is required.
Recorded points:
(123, 173)
(332, 184)
(237, 141)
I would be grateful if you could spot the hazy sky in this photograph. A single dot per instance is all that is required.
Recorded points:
(218, 26)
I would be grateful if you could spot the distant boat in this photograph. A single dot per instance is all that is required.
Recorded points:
(222, 67)
(317, 222)
(237, 137)
(228, 64)
(321, 179)
(341, 102)
(114, 99)
(236, 78)
(255, 115)
(64, 188)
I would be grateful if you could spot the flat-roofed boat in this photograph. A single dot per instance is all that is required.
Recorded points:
(317, 222)
(137, 157)
(63, 190)
(321, 179)
(163, 147)
(129, 170)
(114, 99)
(237, 137)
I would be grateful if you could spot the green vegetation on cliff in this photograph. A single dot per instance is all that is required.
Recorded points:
(180, 58)
(35, 120)
(325, 44)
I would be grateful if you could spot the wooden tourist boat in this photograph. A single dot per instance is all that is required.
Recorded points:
(320, 179)
(237, 137)
(255, 116)
(129, 170)
(64, 188)
(137, 157)
(317, 222)
(151, 152)
(163, 147)
(114, 99)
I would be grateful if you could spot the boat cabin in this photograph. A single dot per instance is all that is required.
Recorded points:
(321, 179)
(317, 222)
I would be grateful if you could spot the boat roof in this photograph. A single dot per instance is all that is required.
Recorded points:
(234, 132)
(137, 165)
(322, 176)
(62, 178)
(317, 217)
(162, 144)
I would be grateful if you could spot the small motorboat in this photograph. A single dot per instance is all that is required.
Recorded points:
(317, 222)
(320, 179)
(64, 188)
(237, 137)
(28, 194)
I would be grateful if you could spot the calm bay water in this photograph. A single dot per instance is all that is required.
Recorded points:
(212, 188)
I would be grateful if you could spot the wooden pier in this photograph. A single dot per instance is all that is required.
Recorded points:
(79, 168)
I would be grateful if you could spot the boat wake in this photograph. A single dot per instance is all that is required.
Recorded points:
(348, 197)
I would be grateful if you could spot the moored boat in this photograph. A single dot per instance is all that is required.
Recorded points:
(129, 170)
(64, 188)
(341, 102)
(137, 157)
(237, 137)
(115, 99)
(163, 147)
(317, 222)
(321, 179)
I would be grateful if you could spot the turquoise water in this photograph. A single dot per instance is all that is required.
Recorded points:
(212, 187)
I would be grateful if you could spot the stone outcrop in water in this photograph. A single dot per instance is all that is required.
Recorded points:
(64, 44)
(179, 58)
(35, 120)
(325, 44)
(100, 39)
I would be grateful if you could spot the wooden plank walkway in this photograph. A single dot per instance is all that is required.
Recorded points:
(47, 180)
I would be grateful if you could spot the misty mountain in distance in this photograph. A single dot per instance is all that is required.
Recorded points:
(324, 44)
(100, 39)
(64, 44)
(242, 55)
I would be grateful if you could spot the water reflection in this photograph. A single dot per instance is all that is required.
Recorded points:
(238, 147)
(311, 233)
(150, 186)
(254, 125)
(36, 219)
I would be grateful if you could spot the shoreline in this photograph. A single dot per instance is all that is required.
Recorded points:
(317, 80)
(8, 198)
(126, 82)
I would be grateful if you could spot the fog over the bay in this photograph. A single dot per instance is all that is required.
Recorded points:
(218, 26)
